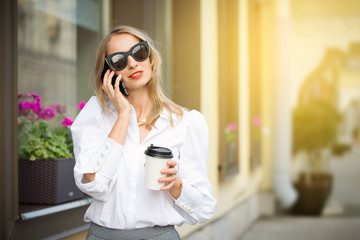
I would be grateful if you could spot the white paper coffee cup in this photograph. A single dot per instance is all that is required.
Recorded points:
(156, 159)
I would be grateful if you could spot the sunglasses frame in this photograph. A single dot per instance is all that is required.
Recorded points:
(126, 54)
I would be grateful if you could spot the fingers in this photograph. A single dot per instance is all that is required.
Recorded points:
(171, 177)
(171, 163)
(110, 89)
(169, 171)
(107, 87)
(104, 80)
(117, 84)
(170, 180)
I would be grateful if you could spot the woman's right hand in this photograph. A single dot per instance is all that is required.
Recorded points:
(119, 131)
(115, 96)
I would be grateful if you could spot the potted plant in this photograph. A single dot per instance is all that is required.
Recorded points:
(45, 153)
(229, 166)
(314, 130)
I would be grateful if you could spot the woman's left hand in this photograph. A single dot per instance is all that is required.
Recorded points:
(172, 181)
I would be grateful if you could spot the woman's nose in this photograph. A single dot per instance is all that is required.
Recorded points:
(131, 62)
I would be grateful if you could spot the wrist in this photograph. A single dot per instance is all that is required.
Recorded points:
(178, 186)
(125, 114)
(120, 128)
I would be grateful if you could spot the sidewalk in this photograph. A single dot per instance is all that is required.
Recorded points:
(345, 226)
(341, 218)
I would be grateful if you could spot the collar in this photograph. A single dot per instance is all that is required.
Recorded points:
(165, 117)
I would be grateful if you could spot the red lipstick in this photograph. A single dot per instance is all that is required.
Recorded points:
(136, 75)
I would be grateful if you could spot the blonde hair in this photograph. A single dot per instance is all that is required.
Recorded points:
(157, 97)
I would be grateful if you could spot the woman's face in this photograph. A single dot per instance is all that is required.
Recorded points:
(136, 74)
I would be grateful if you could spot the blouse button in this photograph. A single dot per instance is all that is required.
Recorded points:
(107, 146)
(98, 162)
(102, 154)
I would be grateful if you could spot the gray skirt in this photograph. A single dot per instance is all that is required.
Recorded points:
(97, 232)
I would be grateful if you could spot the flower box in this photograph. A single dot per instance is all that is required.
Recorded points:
(49, 181)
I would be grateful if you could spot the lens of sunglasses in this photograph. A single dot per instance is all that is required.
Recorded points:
(139, 52)
(118, 61)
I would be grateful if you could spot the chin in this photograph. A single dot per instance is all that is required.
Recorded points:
(137, 85)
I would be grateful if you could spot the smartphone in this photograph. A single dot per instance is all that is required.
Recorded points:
(122, 85)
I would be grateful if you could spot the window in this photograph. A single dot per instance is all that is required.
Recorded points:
(57, 43)
(228, 90)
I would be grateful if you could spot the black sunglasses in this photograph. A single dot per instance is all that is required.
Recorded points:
(119, 60)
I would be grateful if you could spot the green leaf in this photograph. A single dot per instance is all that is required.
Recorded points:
(314, 126)
(37, 141)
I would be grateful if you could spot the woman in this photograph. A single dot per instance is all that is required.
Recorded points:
(111, 134)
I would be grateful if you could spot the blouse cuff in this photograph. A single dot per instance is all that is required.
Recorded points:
(106, 158)
(189, 198)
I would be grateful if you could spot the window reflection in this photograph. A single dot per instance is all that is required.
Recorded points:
(56, 48)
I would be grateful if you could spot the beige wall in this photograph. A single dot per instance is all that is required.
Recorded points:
(317, 26)
(267, 72)
(246, 183)
(186, 53)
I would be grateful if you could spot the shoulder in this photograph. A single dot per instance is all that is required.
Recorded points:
(195, 121)
(95, 105)
(93, 109)
(93, 102)
(194, 115)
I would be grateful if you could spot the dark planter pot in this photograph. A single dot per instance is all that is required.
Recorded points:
(313, 190)
(49, 181)
(340, 149)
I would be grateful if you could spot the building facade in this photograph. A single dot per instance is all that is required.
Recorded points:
(242, 63)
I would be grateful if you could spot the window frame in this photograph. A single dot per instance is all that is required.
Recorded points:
(8, 92)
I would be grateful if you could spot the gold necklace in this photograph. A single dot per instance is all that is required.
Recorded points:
(141, 122)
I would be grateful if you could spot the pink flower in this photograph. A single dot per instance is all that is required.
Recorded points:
(25, 105)
(81, 105)
(257, 121)
(37, 97)
(35, 107)
(232, 126)
(29, 104)
(58, 108)
(67, 122)
(46, 113)
(50, 113)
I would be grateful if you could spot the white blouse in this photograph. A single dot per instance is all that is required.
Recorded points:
(120, 199)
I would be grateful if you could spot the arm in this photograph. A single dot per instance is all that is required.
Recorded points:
(119, 130)
(95, 152)
(118, 134)
(195, 203)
